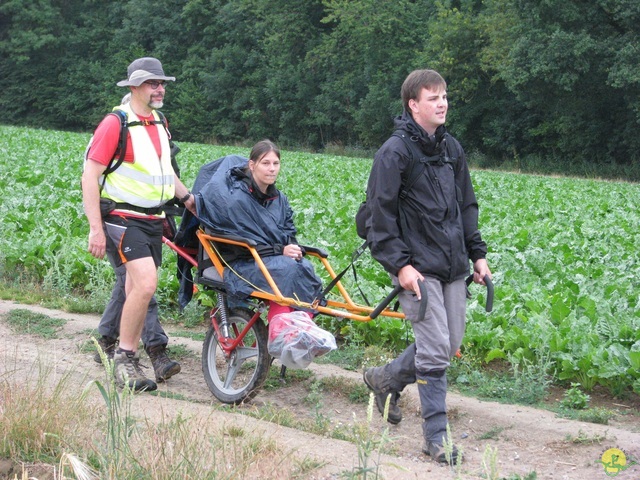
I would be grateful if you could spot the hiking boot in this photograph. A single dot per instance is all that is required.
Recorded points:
(378, 383)
(437, 452)
(163, 366)
(108, 346)
(127, 371)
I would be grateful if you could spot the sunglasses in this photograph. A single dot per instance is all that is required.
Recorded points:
(154, 84)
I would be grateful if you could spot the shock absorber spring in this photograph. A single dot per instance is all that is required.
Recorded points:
(222, 310)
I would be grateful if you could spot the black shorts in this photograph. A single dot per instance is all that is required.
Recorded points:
(131, 238)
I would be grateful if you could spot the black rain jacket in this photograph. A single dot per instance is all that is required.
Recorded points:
(440, 210)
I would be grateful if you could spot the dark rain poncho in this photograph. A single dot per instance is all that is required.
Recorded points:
(230, 204)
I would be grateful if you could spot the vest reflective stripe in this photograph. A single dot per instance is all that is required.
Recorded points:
(149, 180)
(146, 178)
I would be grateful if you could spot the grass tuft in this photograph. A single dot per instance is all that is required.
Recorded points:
(39, 422)
(33, 323)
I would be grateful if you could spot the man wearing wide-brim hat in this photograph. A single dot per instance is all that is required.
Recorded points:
(143, 69)
(124, 188)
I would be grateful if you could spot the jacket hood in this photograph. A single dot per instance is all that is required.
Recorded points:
(242, 174)
(429, 145)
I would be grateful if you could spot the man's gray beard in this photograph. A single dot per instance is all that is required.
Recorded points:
(156, 105)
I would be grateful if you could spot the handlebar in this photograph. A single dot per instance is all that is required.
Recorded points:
(489, 306)
(383, 304)
(423, 302)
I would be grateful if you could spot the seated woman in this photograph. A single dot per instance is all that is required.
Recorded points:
(243, 201)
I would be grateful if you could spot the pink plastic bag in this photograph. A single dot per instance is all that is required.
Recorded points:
(296, 340)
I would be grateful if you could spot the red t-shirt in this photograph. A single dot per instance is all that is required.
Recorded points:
(107, 135)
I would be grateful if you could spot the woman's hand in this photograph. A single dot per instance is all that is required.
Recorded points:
(292, 251)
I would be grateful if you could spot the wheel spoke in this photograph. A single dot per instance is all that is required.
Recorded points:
(240, 355)
(232, 371)
(244, 353)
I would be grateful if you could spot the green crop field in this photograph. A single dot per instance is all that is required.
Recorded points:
(564, 252)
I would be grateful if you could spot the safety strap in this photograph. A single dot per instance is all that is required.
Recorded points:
(354, 256)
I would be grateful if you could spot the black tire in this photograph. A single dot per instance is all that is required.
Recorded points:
(237, 378)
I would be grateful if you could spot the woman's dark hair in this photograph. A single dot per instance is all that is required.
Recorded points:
(261, 148)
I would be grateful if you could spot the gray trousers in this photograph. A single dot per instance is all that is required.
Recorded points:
(438, 335)
(152, 332)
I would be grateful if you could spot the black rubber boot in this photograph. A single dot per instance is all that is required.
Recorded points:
(390, 380)
(163, 366)
(432, 388)
(378, 381)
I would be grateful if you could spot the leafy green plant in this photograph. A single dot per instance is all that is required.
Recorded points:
(597, 415)
(375, 356)
(529, 476)
(527, 382)
(348, 356)
(575, 398)
(585, 439)
(179, 351)
(491, 434)
(314, 399)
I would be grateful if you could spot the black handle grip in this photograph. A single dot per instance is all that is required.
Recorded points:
(489, 305)
(424, 301)
(378, 310)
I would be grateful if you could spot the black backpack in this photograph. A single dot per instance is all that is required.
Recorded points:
(419, 163)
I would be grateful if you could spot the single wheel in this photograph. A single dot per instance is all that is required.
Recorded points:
(237, 377)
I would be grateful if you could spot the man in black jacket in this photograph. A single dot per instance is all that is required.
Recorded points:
(428, 234)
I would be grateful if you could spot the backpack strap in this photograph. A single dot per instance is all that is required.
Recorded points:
(122, 143)
(417, 166)
(121, 151)
(420, 161)
(452, 151)
(124, 130)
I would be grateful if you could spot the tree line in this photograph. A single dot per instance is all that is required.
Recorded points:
(555, 83)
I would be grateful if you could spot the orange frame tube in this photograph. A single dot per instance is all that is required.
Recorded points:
(346, 308)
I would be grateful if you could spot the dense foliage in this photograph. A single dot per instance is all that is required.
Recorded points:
(564, 252)
(547, 86)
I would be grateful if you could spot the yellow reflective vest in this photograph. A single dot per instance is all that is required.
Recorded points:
(149, 181)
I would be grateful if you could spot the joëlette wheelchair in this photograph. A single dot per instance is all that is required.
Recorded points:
(235, 358)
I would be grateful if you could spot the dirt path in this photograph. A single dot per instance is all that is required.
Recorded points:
(528, 439)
